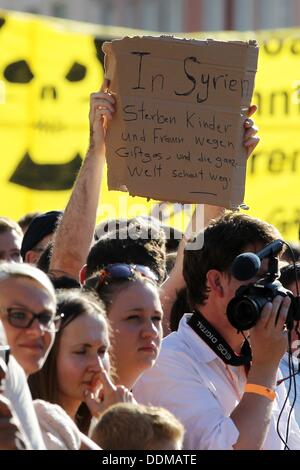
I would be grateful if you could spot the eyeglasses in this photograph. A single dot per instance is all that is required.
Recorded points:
(119, 271)
(21, 318)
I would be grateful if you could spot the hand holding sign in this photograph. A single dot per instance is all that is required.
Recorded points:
(178, 130)
(101, 111)
(251, 140)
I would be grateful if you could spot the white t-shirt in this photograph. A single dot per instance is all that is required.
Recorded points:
(191, 381)
(17, 392)
(59, 431)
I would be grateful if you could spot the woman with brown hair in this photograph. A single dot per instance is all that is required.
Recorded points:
(78, 362)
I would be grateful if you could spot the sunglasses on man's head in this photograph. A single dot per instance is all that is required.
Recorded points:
(119, 271)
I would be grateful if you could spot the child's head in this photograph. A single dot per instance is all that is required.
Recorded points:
(128, 426)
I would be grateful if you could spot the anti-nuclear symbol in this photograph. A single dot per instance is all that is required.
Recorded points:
(48, 78)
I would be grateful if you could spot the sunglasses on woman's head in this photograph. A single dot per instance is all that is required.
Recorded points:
(119, 271)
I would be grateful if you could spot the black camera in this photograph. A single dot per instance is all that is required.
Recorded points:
(244, 310)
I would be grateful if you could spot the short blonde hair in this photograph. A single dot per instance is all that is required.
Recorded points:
(15, 270)
(128, 426)
(9, 225)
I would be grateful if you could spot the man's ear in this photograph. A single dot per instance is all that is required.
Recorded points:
(32, 257)
(82, 274)
(214, 282)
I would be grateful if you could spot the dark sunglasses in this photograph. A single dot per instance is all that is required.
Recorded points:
(119, 271)
(21, 318)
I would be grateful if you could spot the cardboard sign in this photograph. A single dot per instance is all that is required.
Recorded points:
(178, 128)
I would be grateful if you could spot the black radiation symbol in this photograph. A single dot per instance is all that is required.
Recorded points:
(47, 177)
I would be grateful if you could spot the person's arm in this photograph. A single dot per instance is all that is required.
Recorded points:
(175, 282)
(172, 285)
(75, 232)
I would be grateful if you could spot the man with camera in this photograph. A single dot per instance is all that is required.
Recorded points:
(223, 390)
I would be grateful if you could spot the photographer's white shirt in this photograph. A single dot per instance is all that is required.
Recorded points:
(191, 381)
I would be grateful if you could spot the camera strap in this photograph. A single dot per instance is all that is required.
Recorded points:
(217, 343)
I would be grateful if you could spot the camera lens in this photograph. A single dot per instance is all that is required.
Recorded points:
(243, 313)
(246, 313)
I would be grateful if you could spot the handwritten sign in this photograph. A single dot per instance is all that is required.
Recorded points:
(178, 128)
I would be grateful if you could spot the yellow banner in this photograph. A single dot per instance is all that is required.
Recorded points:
(49, 67)
(273, 171)
(48, 70)
(273, 176)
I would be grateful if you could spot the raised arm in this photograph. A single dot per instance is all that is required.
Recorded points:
(200, 219)
(74, 234)
(172, 285)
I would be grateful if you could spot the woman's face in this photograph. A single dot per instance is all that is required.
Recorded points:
(135, 316)
(82, 343)
(10, 246)
(30, 346)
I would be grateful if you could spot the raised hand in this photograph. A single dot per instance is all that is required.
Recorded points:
(108, 395)
(269, 338)
(101, 110)
(250, 138)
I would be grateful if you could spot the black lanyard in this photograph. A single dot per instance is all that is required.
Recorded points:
(218, 344)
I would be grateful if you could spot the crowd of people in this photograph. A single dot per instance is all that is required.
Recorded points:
(123, 342)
